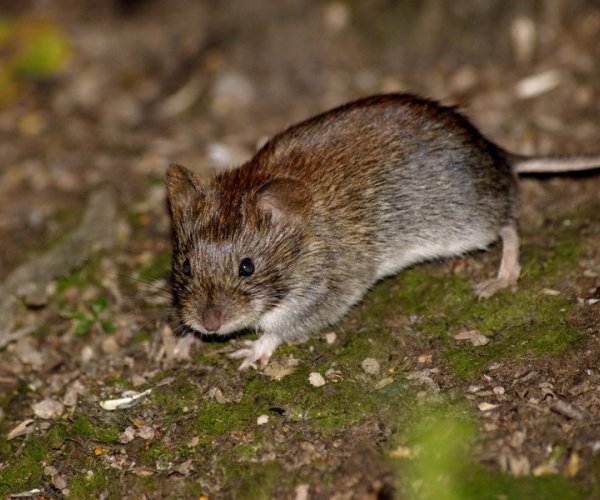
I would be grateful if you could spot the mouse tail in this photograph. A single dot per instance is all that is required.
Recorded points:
(553, 164)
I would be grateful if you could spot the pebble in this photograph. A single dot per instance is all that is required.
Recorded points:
(519, 465)
(48, 408)
(146, 432)
(35, 296)
(87, 354)
(370, 366)
(28, 354)
(316, 379)
(109, 345)
(383, 383)
(72, 393)
(337, 16)
(474, 336)
(127, 435)
(216, 394)
(230, 91)
(138, 380)
(262, 420)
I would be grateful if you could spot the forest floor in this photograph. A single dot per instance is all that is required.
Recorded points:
(423, 391)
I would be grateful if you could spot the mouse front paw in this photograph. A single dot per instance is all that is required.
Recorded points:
(256, 350)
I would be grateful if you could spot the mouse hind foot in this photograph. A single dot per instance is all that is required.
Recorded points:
(509, 271)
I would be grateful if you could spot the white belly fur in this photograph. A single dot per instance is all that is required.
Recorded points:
(395, 261)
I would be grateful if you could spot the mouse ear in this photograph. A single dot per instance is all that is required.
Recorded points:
(183, 188)
(283, 199)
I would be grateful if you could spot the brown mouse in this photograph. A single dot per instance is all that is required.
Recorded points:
(289, 241)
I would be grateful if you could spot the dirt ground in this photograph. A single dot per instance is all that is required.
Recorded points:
(386, 404)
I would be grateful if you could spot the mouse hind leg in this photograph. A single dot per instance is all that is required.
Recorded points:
(509, 265)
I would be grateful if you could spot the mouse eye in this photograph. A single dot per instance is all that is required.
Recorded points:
(186, 268)
(246, 267)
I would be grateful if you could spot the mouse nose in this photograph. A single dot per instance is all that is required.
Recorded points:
(212, 319)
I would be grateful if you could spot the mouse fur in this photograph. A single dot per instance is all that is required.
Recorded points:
(331, 205)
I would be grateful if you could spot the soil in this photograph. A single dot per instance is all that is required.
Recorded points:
(406, 410)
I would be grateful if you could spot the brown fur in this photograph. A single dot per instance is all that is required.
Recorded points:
(328, 207)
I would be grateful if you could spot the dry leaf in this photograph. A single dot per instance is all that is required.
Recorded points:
(487, 406)
(383, 382)
(24, 427)
(131, 398)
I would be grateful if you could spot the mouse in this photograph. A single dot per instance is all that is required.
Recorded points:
(288, 242)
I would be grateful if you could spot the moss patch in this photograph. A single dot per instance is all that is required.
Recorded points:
(440, 463)
(84, 427)
(96, 481)
(527, 322)
(24, 471)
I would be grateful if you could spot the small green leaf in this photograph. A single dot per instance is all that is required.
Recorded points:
(107, 326)
(77, 314)
(84, 327)
(98, 306)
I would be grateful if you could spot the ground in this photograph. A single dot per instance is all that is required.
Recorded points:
(99, 97)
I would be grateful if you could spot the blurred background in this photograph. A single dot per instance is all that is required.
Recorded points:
(110, 92)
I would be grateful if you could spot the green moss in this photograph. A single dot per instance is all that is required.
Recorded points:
(215, 420)
(25, 471)
(156, 452)
(325, 409)
(479, 482)
(441, 439)
(5, 448)
(524, 323)
(56, 436)
(94, 482)
(432, 307)
(257, 481)
(116, 382)
(528, 325)
(84, 427)
(183, 394)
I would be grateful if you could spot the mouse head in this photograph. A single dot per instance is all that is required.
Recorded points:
(239, 243)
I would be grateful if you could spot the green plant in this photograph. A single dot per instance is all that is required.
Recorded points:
(85, 319)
